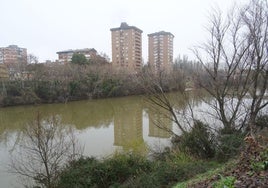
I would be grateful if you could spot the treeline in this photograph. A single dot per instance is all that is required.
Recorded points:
(54, 83)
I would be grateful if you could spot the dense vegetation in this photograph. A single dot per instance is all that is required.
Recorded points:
(196, 153)
(130, 170)
(61, 83)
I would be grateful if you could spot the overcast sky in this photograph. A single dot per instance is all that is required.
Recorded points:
(47, 26)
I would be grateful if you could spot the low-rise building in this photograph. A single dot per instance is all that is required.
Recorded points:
(13, 55)
(66, 56)
(14, 58)
(4, 75)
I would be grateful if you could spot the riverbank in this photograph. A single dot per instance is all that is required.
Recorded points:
(131, 170)
(89, 84)
(249, 169)
(44, 92)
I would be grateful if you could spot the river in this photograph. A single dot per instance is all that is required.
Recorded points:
(102, 127)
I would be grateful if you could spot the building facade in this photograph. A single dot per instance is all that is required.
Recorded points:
(4, 75)
(14, 60)
(160, 51)
(13, 55)
(127, 48)
(66, 56)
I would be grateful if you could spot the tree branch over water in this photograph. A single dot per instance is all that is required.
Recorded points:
(235, 59)
(44, 148)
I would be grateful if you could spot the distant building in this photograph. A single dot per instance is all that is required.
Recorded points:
(14, 58)
(160, 50)
(66, 56)
(4, 75)
(13, 55)
(127, 47)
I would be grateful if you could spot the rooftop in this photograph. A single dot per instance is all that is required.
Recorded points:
(125, 26)
(12, 47)
(77, 50)
(160, 33)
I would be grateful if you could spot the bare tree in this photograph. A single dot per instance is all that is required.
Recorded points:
(255, 18)
(235, 61)
(234, 69)
(31, 58)
(42, 151)
(156, 88)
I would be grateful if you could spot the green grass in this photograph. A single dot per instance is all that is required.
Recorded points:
(207, 175)
(227, 182)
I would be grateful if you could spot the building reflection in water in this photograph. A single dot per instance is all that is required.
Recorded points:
(159, 124)
(128, 124)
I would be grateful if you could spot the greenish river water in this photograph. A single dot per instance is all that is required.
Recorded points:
(102, 126)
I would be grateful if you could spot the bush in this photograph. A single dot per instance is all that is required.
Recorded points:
(130, 170)
(27, 97)
(199, 142)
(45, 91)
(89, 172)
(262, 121)
(12, 100)
(229, 145)
(13, 88)
(225, 182)
(108, 87)
(168, 173)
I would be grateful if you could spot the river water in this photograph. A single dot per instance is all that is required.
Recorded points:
(102, 126)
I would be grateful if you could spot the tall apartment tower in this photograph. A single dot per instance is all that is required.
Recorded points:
(160, 50)
(127, 48)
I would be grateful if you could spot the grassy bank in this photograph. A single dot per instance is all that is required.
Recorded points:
(130, 170)
(173, 169)
(181, 166)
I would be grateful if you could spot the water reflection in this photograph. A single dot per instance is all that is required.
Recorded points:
(102, 125)
(125, 114)
(159, 124)
(127, 122)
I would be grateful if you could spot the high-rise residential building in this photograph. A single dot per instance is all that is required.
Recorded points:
(160, 51)
(13, 55)
(127, 48)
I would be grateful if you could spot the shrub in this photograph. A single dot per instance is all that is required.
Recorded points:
(143, 180)
(130, 170)
(199, 142)
(29, 97)
(229, 145)
(13, 88)
(225, 182)
(168, 173)
(12, 100)
(89, 172)
(45, 91)
(260, 163)
(262, 121)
